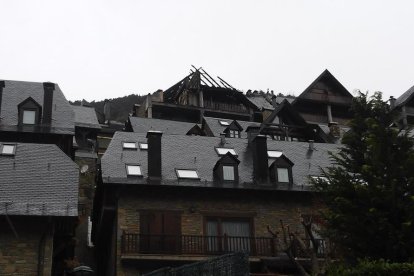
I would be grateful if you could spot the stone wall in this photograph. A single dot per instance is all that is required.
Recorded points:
(19, 249)
(265, 208)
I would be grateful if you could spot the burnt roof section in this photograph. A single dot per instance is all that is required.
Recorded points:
(38, 180)
(143, 125)
(85, 116)
(198, 153)
(15, 92)
(325, 76)
(405, 97)
(216, 128)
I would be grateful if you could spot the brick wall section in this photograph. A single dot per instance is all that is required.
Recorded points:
(19, 256)
(266, 208)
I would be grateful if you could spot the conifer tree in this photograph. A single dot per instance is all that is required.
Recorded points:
(369, 192)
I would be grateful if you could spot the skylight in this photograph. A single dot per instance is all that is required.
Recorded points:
(274, 153)
(318, 178)
(224, 151)
(7, 149)
(188, 174)
(224, 123)
(129, 145)
(133, 170)
(143, 146)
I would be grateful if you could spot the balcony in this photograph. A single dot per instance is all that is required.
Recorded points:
(141, 244)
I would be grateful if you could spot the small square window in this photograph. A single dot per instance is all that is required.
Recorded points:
(29, 117)
(224, 123)
(133, 170)
(190, 174)
(228, 173)
(143, 146)
(282, 175)
(224, 151)
(7, 149)
(129, 145)
(274, 153)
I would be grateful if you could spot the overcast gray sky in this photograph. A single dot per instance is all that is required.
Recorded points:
(105, 49)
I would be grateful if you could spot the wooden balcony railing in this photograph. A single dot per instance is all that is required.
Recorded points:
(196, 245)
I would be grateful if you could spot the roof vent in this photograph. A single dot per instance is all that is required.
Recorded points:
(311, 145)
(222, 139)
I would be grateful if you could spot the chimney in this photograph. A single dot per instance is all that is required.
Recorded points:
(252, 132)
(334, 129)
(392, 102)
(154, 154)
(222, 139)
(2, 85)
(48, 88)
(311, 145)
(260, 164)
(107, 111)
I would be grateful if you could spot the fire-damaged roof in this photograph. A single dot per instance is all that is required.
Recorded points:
(38, 180)
(85, 116)
(15, 92)
(199, 79)
(199, 153)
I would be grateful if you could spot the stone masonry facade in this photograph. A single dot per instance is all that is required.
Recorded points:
(266, 209)
(19, 248)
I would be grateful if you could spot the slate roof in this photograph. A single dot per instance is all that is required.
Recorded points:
(85, 116)
(217, 128)
(198, 152)
(39, 180)
(404, 98)
(16, 92)
(142, 125)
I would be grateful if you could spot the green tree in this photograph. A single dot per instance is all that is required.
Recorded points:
(369, 194)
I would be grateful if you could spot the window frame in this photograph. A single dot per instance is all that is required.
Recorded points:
(8, 144)
(187, 178)
(133, 175)
(233, 172)
(24, 110)
(129, 148)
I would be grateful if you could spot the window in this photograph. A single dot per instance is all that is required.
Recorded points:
(224, 123)
(187, 174)
(7, 149)
(228, 173)
(143, 146)
(29, 112)
(223, 151)
(274, 153)
(228, 234)
(318, 178)
(29, 117)
(129, 145)
(133, 170)
(234, 134)
(282, 175)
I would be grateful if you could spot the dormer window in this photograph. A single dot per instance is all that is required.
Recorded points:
(226, 168)
(29, 112)
(281, 170)
(129, 145)
(228, 173)
(29, 117)
(7, 149)
(187, 174)
(133, 170)
(234, 133)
